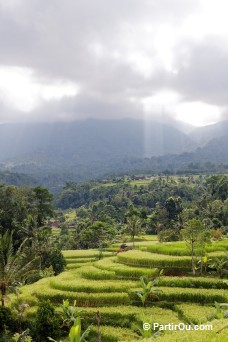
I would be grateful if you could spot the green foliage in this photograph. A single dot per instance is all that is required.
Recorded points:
(68, 315)
(194, 235)
(98, 235)
(221, 310)
(55, 259)
(147, 290)
(145, 259)
(6, 319)
(180, 248)
(46, 322)
(14, 266)
(134, 226)
(202, 296)
(218, 185)
(195, 313)
(75, 334)
(220, 265)
(23, 337)
(85, 299)
(168, 235)
(123, 271)
(43, 205)
(193, 282)
(173, 207)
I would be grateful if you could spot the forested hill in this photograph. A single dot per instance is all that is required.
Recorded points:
(17, 179)
(124, 191)
(162, 204)
(90, 140)
(51, 154)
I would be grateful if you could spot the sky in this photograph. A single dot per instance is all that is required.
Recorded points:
(142, 59)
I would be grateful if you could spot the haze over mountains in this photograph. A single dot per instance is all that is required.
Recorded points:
(92, 148)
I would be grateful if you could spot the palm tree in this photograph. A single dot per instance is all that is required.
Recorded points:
(13, 265)
(134, 226)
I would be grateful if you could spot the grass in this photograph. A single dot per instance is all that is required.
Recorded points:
(128, 315)
(180, 249)
(83, 253)
(70, 215)
(113, 334)
(108, 286)
(196, 314)
(193, 282)
(215, 335)
(77, 285)
(146, 259)
(123, 271)
(94, 273)
(177, 294)
(84, 299)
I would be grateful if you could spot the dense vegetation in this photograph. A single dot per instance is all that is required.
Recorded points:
(160, 206)
(176, 230)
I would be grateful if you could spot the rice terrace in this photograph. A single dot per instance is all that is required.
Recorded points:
(152, 267)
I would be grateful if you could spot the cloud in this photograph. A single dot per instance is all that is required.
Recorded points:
(117, 53)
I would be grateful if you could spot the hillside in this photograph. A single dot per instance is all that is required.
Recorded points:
(53, 153)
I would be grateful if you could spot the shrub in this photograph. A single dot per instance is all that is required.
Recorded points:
(46, 322)
(168, 235)
(6, 319)
(216, 234)
(56, 260)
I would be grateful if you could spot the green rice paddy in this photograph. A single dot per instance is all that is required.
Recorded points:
(108, 286)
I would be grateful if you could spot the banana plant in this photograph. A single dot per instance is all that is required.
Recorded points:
(147, 290)
(220, 264)
(221, 311)
(75, 332)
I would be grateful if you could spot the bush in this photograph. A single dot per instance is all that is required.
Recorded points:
(6, 319)
(46, 322)
(56, 260)
(168, 235)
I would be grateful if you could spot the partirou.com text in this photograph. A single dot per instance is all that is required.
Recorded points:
(180, 326)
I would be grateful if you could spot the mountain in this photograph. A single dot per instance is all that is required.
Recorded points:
(90, 140)
(53, 153)
(202, 135)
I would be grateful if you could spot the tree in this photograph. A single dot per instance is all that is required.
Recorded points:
(173, 207)
(204, 239)
(134, 226)
(218, 186)
(97, 235)
(192, 235)
(46, 322)
(43, 205)
(13, 265)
